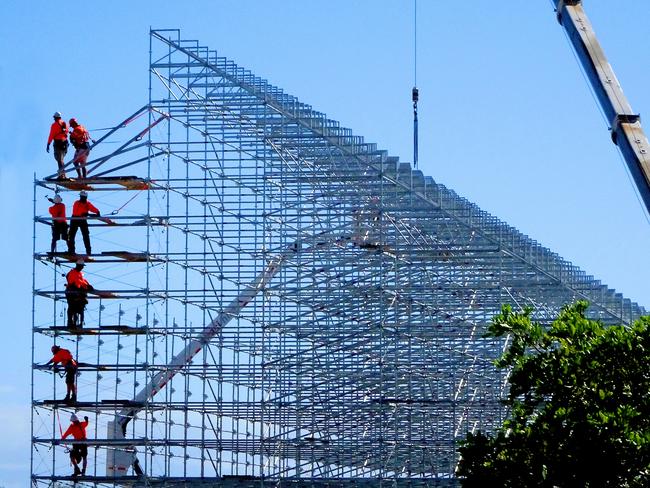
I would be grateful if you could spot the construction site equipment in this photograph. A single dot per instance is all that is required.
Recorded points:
(290, 304)
(625, 125)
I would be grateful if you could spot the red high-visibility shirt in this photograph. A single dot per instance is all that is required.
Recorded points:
(77, 430)
(81, 209)
(76, 278)
(57, 211)
(58, 131)
(79, 135)
(64, 357)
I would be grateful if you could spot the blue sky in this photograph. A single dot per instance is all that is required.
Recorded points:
(506, 117)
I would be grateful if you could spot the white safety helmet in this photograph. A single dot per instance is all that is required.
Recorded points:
(57, 115)
(80, 262)
(57, 199)
(83, 193)
(74, 418)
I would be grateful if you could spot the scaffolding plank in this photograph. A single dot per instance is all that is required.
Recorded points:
(71, 184)
(101, 330)
(126, 182)
(132, 257)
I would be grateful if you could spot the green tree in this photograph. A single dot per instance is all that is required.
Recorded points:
(579, 404)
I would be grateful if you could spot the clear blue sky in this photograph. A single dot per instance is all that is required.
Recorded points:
(507, 119)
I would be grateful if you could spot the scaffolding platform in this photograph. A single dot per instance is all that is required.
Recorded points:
(101, 405)
(102, 257)
(89, 184)
(101, 330)
(131, 257)
(65, 256)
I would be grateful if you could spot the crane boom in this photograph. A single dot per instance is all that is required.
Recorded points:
(626, 130)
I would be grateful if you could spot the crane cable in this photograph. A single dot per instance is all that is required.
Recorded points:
(415, 95)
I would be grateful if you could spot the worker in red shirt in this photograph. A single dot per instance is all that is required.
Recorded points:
(76, 293)
(59, 222)
(79, 220)
(64, 357)
(79, 452)
(59, 134)
(80, 139)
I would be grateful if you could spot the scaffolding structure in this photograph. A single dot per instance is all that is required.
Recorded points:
(281, 302)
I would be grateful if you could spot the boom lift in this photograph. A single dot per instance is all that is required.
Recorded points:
(625, 126)
(123, 456)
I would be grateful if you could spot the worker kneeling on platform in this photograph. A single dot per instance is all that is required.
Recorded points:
(81, 209)
(76, 293)
(64, 357)
(79, 452)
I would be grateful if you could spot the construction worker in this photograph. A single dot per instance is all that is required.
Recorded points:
(79, 220)
(64, 357)
(80, 140)
(59, 134)
(59, 222)
(76, 293)
(79, 452)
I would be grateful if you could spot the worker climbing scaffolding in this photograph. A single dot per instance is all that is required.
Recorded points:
(76, 293)
(79, 452)
(64, 357)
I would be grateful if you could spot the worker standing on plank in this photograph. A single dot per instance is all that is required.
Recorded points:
(80, 140)
(59, 134)
(79, 220)
(79, 452)
(59, 222)
(64, 357)
(76, 293)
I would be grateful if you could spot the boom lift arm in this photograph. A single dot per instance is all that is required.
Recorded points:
(119, 459)
(626, 130)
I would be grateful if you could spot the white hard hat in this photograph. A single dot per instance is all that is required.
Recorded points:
(57, 199)
(74, 418)
(57, 115)
(80, 261)
(83, 193)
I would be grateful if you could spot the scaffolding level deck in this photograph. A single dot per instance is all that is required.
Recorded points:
(106, 182)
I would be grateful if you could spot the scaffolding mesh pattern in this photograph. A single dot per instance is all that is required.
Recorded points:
(359, 357)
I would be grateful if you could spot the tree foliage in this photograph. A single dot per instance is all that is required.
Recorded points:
(579, 403)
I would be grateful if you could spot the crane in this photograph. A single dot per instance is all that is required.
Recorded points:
(625, 125)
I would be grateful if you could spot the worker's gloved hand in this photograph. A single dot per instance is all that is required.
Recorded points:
(47, 148)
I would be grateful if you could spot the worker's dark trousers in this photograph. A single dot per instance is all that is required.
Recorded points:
(59, 232)
(60, 150)
(82, 225)
(76, 306)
